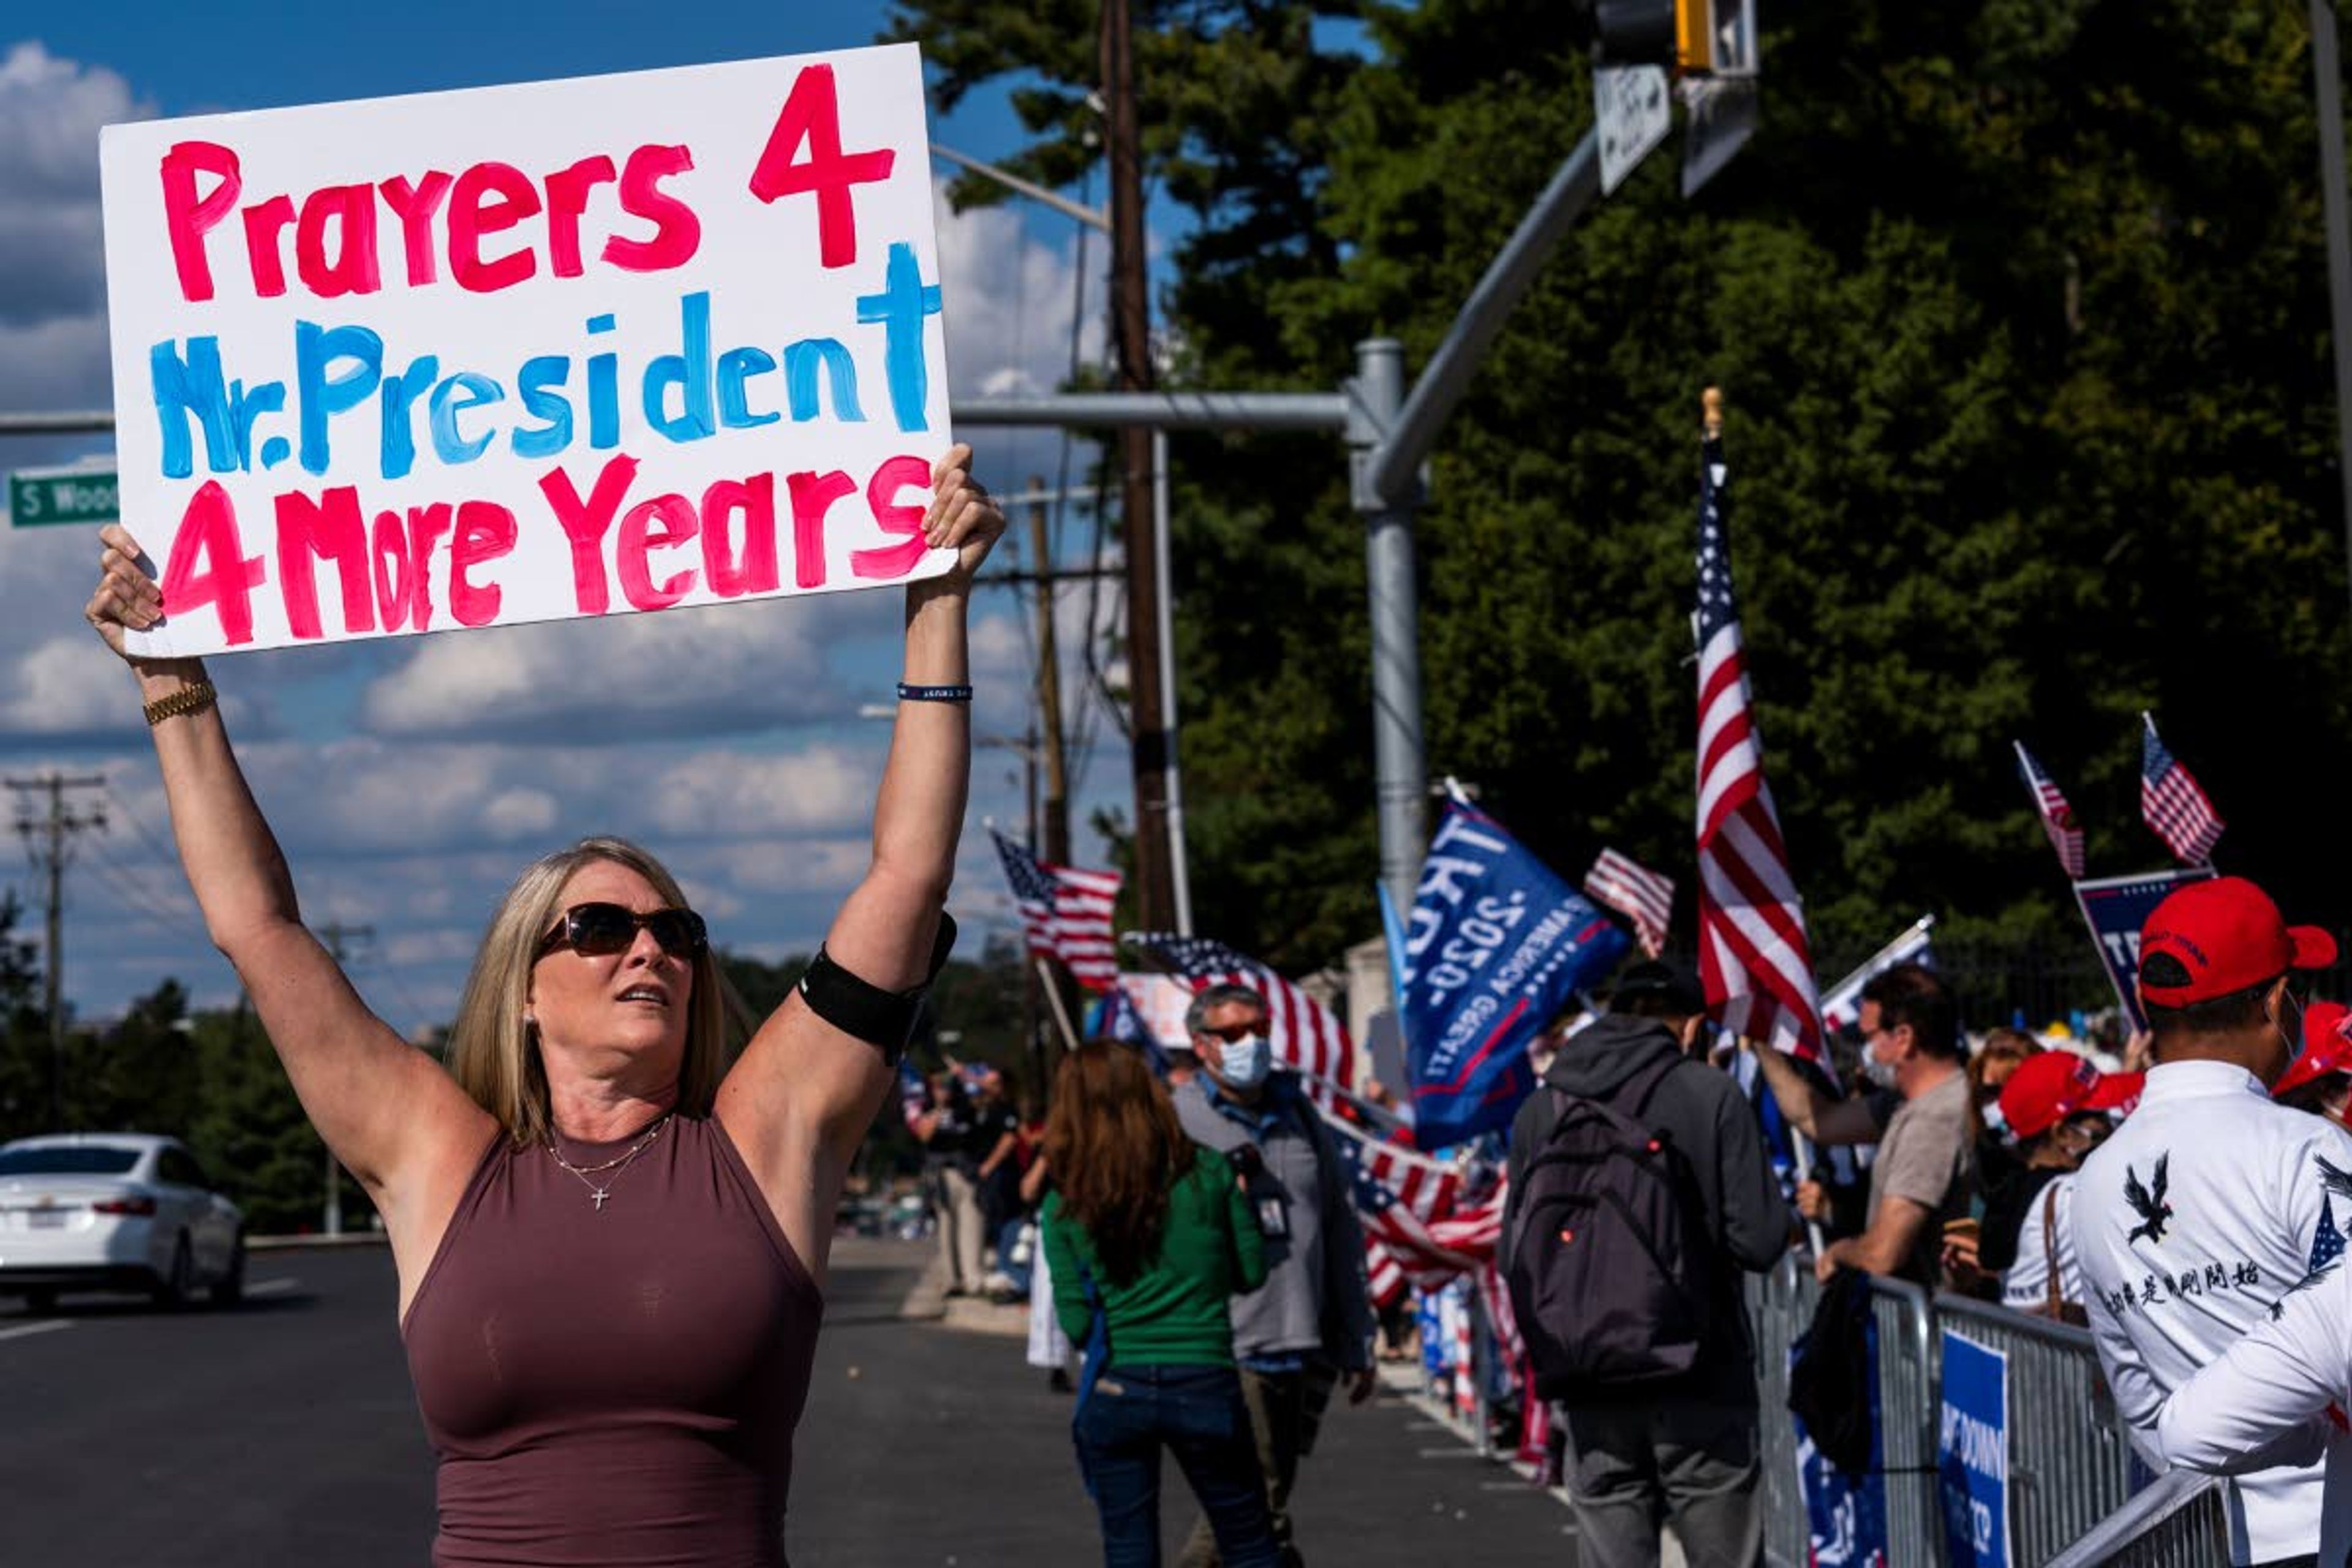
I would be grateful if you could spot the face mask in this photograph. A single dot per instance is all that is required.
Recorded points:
(1244, 1063)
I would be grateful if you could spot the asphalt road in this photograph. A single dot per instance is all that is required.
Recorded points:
(286, 1432)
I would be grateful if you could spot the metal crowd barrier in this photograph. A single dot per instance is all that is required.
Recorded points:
(2070, 1463)
(1779, 1305)
(2181, 1521)
(1908, 1410)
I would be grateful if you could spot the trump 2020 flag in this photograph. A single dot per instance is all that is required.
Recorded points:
(1495, 946)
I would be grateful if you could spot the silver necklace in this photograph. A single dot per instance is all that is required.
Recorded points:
(616, 1164)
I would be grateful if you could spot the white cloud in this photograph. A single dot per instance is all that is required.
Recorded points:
(727, 794)
(621, 678)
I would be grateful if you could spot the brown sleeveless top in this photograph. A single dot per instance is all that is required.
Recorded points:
(614, 1386)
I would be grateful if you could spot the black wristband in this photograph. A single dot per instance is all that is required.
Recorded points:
(885, 1019)
(961, 692)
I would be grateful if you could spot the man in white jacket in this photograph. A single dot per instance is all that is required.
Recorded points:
(2212, 1201)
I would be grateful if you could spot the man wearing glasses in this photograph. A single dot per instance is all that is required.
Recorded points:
(2213, 1202)
(1311, 1322)
(1924, 1171)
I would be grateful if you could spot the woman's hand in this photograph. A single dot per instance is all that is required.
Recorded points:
(962, 516)
(126, 597)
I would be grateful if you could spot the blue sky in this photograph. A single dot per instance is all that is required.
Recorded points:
(410, 779)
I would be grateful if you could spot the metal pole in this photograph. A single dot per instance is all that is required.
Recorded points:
(1180, 878)
(2328, 81)
(1411, 432)
(1401, 785)
(1055, 836)
(1131, 329)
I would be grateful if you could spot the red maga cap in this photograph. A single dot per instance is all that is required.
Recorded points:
(2326, 1049)
(2047, 1089)
(2229, 935)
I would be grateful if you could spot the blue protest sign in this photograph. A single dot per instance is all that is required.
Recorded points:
(2116, 907)
(1972, 1454)
(1845, 1515)
(1495, 946)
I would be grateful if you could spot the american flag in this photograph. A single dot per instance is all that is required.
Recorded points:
(1753, 958)
(1065, 913)
(1306, 1035)
(2057, 817)
(2175, 807)
(1636, 891)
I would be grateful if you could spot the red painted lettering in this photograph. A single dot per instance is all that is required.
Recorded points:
(415, 206)
(264, 222)
(651, 525)
(567, 198)
(755, 498)
(881, 497)
(352, 208)
(486, 531)
(427, 526)
(208, 565)
(585, 523)
(676, 231)
(489, 197)
(397, 578)
(188, 217)
(813, 496)
(331, 526)
(812, 113)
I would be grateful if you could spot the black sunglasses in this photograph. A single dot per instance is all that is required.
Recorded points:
(599, 930)
(1233, 1034)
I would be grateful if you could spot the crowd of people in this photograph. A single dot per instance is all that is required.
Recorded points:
(2174, 1195)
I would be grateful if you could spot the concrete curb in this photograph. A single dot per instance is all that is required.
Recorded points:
(308, 1243)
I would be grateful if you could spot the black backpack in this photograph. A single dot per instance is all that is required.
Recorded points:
(1611, 1264)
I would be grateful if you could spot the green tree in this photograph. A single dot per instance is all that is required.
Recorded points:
(2020, 309)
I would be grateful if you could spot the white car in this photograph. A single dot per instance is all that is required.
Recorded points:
(114, 1211)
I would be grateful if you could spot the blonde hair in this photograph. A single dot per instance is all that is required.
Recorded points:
(494, 1053)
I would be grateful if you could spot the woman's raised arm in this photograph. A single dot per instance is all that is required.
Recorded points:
(390, 1114)
(800, 1098)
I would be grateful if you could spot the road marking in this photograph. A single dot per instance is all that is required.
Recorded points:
(272, 1286)
(1451, 1454)
(40, 1328)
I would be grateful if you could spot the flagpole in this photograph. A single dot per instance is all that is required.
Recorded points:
(1870, 965)
(1061, 1013)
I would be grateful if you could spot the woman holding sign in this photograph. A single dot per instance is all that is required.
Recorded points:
(610, 1244)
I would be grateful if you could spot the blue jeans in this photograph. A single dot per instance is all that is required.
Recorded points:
(1196, 1414)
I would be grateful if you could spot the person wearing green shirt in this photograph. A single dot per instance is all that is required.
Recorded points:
(1147, 1238)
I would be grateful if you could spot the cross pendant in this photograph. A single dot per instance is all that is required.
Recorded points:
(599, 1191)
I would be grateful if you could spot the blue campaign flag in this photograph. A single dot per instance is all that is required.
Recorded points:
(1845, 1515)
(1114, 1017)
(1496, 945)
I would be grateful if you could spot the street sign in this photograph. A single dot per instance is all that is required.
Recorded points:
(1632, 111)
(1721, 117)
(44, 497)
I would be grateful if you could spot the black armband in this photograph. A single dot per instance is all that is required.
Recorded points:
(855, 1006)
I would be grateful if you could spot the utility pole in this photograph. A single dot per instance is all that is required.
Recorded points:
(1056, 828)
(1131, 329)
(334, 934)
(49, 840)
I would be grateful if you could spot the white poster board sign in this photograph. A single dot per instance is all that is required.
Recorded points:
(528, 352)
